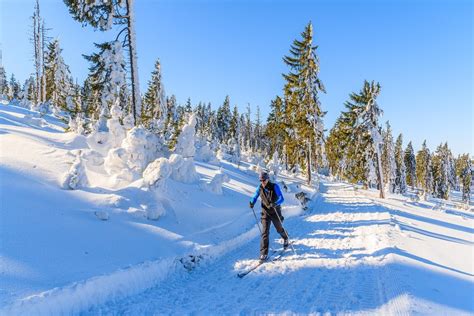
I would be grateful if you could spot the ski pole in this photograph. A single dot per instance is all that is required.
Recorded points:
(256, 219)
(286, 232)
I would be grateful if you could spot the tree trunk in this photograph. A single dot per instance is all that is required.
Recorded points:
(132, 45)
(379, 173)
(308, 162)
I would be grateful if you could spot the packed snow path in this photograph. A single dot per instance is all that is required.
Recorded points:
(344, 263)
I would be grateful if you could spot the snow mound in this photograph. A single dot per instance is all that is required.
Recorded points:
(76, 177)
(215, 186)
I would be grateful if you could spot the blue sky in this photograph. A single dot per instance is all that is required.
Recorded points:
(420, 51)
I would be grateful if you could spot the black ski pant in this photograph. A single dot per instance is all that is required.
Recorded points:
(269, 217)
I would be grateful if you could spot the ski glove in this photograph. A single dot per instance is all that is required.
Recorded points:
(251, 205)
(273, 205)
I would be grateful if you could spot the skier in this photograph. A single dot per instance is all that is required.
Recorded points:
(271, 198)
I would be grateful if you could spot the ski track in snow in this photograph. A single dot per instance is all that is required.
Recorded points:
(334, 270)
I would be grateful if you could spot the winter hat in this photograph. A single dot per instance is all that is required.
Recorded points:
(263, 176)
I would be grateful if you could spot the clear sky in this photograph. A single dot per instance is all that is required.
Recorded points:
(420, 51)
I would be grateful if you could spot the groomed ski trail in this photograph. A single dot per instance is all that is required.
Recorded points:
(335, 270)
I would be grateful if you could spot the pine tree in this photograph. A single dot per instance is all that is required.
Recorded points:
(106, 80)
(58, 77)
(411, 166)
(400, 180)
(302, 90)
(275, 131)
(154, 106)
(423, 168)
(464, 172)
(223, 121)
(3, 82)
(443, 171)
(14, 88)
(102, 14)
(388, 159)
(368, 119)
(234, 128)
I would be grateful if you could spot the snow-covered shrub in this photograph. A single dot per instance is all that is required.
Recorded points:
(116, 129)
(274, 166)
(233, 148)
(34, 121)
(215, 186)
(157, 172)
(76, 177)
(223, 152)
(185, 144)
(142, 147)
(98, 141)
(115, 164)
(43, 108)
(77, 124)
(92, 158)
(204, 152)
(183, 169)
(155, 211)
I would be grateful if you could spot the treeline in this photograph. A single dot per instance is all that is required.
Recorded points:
(357, 148)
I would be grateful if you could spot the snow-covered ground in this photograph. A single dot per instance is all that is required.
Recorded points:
(355, 253)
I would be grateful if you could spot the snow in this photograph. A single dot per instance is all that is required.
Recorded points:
(158, 245)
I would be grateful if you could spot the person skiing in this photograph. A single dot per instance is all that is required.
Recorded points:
(271, 200)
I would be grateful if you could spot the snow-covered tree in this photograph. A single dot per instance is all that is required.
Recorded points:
(443, 171)
(411, 165)
(106, 81)
(28, 91)
(464, 172)
(13, 89)
(3, 82)
(388, 159)
(423, 169)
(223, 121)
(154, 102)
(400, 180)
(368, 119)
(58, 77)
(102, 14)
(302, 90)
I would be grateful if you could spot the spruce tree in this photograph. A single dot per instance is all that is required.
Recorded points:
(423, 169)
(14, 88)
(154, 107)
(443, 171)
(275, 131)
(368, 120)
(223, 121)
(388, 159)
(411, 166)
(3, 82)
(302, 90)
(400, 180)
(58, 77)
(464, 172)
(234, 128)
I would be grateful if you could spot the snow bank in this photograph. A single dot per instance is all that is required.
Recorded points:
(79, 296)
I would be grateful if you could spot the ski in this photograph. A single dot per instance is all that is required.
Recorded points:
(244, 273)
(281, 253)
(278, 255)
